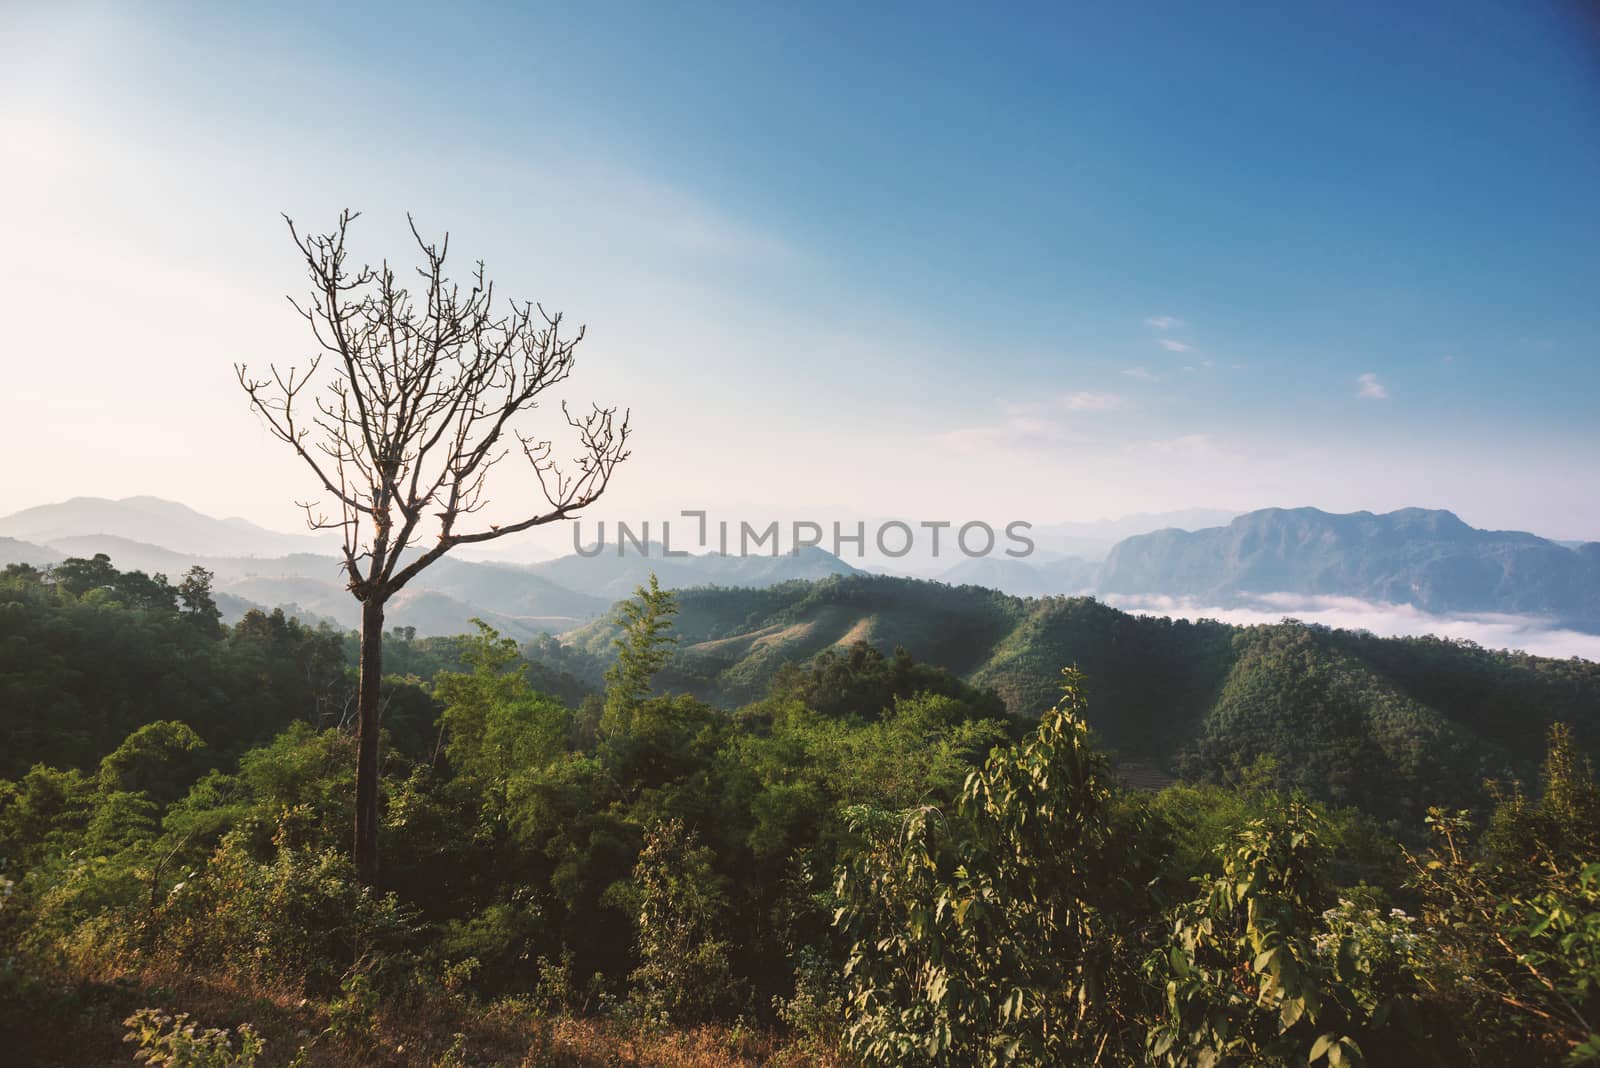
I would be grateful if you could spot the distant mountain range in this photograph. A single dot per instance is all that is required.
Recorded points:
(13, 551)
(1095, 539)
(521, 601)
(1427, 559)
(154, 521)
(1086, 542)
(614, 574)
(1024, 578)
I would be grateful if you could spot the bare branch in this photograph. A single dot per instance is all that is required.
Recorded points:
(423, 401)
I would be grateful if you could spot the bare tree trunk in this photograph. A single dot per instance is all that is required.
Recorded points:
(368, 710)
(423, 401)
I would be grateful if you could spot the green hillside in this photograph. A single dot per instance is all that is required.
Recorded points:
(1392, 724)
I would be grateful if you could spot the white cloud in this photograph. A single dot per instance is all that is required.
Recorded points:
(1493, 630)
(1142, 375)
(1018, 433)
(1077, 401)
(1371, 388)
(1083, 401)
(1182, 445)
(1173, 346)
(1164, 322)
(1030, 426)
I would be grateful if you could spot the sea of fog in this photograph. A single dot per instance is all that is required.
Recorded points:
(1527, 633)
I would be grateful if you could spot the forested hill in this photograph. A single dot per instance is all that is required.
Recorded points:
(1384, 722)
(1414, 556)
(176, 796)
(89, 654)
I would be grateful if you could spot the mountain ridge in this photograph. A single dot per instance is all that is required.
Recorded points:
(156, 521)
(1428, 558)
(1164, 692)
(520, 600)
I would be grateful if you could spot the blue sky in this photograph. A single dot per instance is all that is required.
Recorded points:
(1043, 263)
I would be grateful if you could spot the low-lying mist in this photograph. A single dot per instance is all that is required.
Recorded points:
(1529, 634)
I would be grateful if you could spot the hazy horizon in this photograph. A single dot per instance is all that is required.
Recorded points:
(561, 538)
(1137, 287)
(1531, 633)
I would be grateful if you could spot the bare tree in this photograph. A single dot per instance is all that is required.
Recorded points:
(420, 405)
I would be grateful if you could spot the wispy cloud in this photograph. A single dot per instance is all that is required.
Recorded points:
(1017, 433)
(1184, 445)
(1077, 401)
(1164, 322)
(1083, 401)
(1174, 346)
(1370, 388)
(1030, 426)
(1142, 374)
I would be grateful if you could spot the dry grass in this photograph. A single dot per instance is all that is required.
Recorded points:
(860, 632)
(75, 1021)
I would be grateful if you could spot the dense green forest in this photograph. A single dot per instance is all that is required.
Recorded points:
(1391, 724)
(858, 821)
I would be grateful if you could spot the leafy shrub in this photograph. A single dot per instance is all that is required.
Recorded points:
(1262, 967)
(684, 975)
(815, 1011)
(354, 1012)
(300, 916)
(995, 937)
(1514, 946)
(179, 1042)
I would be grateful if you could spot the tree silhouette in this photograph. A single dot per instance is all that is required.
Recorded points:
(421, 404)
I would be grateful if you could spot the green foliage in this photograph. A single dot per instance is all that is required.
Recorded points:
(996, 937)
(815, 1011)
(860, 679)
(99, 582)
(43, 814)
(1515, 926)
(684, 974)
(1334, 729)
(1558, 931)
(166, 1041)
(1263, 968)
(151, 761)
(1564, 823)
(1387, 725)
(300, 916)
(494, 724)
(88, 654)
(199, 606)
(643, 647)
(1000, 897)
(1197, 816)
(354, 1012)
